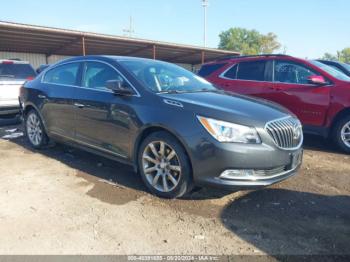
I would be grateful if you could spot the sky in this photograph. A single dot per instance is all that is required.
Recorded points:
(305, 28)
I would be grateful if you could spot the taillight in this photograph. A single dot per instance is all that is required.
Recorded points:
(7, 62)
(30, 78)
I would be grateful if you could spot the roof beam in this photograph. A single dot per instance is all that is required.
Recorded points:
(64, 46)
(140, 49)
(175, 58)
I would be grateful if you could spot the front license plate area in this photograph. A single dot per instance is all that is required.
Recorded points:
(296, 159)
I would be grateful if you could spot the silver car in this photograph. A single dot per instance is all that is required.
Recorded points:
(13, 74)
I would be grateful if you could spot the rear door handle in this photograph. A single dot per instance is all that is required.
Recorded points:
(42, 96)
(79, 105)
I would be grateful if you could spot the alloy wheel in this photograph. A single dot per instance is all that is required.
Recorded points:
(34, 129)
(161, 166)
(345, 134)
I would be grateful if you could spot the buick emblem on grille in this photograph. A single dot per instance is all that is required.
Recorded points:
(285, 132)
(296, 132)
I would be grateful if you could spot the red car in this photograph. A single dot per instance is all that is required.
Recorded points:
(318, 94)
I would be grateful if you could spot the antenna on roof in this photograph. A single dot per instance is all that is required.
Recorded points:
(130, 31)
(205, 4)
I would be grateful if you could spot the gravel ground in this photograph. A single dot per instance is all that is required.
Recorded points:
(65, 201)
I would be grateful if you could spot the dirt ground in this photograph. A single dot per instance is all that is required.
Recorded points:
(65, 201)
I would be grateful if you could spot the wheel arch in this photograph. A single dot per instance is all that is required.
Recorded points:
(31, 106)
(339, 116)
(145, 132)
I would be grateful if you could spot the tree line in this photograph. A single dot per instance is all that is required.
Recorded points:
(252, 42)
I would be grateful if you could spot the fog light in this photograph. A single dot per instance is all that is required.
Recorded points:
(237, 174)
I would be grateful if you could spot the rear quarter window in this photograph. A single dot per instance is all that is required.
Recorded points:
(231, 73)
(66, 74)
(207, 70)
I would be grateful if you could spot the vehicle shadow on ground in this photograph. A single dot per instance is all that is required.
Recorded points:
(317, 143)
(277, 221)
(97, 169)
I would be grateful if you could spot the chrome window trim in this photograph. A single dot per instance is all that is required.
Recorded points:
(222, 75)
(97, 90)
(125, 79)
(50, 69)
(301, 65)
(137, 94)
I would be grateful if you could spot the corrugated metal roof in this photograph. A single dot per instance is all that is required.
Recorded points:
(17, 37)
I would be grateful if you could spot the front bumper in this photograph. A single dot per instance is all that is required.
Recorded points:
(9, 107)
(241, 166)
(6, 110)
(251, 182)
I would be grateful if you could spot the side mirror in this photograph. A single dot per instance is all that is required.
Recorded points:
(317, 80)
(118, 88)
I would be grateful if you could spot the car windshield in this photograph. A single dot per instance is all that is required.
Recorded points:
(17, 71)
(347, 66)
(330, 70)
(162, 77)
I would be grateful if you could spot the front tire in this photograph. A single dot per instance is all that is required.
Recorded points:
(164, 166)
(34, 130)
(341, 134)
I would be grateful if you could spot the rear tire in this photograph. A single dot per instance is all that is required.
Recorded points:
(341, 134)
(164, 166)
(34, 130)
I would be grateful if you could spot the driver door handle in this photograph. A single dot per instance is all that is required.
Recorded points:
(79, 105)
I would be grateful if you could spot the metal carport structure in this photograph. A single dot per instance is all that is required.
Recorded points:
(24, 38)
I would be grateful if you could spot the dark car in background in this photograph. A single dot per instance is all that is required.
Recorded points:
(342, 67)
(317, 94)
(172, 126)
(13, 74)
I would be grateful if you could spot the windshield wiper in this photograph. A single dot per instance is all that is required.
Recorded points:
(170, 92)
(191, 91)
(209, 90)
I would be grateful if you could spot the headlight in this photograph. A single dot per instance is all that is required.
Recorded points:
(229, 132)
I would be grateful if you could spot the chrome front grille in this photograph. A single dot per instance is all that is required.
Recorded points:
(286, 132)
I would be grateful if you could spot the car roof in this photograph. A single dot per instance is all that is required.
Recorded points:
(327, 61)
(231, 59)
(106, 57)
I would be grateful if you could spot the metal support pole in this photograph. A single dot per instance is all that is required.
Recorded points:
(154, 52)
(203, 57)
(205, 4)
(83, 41)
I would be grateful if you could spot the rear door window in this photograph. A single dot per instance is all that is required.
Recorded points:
(66, 74)
(254, 71)
(17, 71)
(207, 70)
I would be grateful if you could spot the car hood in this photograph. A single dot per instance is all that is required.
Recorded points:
(230, 107)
